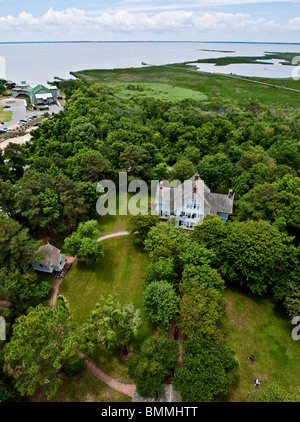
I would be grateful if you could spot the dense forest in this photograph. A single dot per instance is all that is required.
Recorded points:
(48, 186)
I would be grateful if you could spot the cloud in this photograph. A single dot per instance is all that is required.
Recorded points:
(294, 24)
(77, 20)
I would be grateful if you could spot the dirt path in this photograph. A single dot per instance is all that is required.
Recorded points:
(127, 389)
(58, 281)
(117, 234)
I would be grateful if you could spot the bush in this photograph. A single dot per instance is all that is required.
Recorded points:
(155, 361)
(42, 289)
(73, 366)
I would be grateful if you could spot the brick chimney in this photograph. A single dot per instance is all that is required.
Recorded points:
(230, 193)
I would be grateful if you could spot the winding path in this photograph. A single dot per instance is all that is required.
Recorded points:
(117, 234)
(127, 389)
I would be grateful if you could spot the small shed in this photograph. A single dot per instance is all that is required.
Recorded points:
(52, 259)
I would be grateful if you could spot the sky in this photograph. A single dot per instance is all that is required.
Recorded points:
(150, 20)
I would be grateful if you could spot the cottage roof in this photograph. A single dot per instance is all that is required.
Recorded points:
(52, 255)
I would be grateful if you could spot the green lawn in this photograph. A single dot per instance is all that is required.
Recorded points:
(5, 116)
(83, 388)
(119, 272)
(164, 92)
(256, 325)
(212, 85)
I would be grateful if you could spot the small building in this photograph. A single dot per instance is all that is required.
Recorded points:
(52, 259)
(39, 94)
(190, 201)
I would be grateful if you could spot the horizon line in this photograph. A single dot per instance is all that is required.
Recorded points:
(149, 41)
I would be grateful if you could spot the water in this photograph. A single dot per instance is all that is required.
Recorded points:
(40, 62)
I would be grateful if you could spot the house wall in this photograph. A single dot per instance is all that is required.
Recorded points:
(187, 216)
(40, 267)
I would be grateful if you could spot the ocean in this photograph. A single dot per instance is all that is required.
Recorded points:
(41, 62)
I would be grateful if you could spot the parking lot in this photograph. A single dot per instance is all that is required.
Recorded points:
(18, 107)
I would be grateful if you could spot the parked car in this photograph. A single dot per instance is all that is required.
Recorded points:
(37, 124)
(2, 123)
(6, 106)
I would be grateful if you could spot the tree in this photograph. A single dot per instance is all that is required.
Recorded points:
(84, 242)
(203, 274)
(256, 254)
(277, 203)
(201, 312)
(111, 325)
(155, 361)
(8, 198)
(165, 240)
(160, 303)
(182, 170)
(215, 170)
(208, 367)
(73, 366)
(41, 342)
(292, 301)
(210, 234)
(163, 269)
(51, 207)
(133, 160)
(90, 196)
(14, 155)
(140, 225)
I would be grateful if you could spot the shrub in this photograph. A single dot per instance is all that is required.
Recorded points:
(73, 366)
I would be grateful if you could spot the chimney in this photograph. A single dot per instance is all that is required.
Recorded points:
(195, 187)
(161, 184)
(197, 177)
(230, 193)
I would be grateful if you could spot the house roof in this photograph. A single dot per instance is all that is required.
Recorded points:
(194, 188)
(52, 255)
(34, 88)
(43, 96)
(219, 203)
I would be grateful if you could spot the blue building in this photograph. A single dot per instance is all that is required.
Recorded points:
(52, 259)
(190, 201)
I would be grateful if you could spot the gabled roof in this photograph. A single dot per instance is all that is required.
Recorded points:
(52, 255)
(193, 188)
(219, 203)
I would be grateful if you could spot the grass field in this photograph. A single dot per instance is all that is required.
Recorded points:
(83, 388)
(164, 92)
(119, 272)
(5, 116)
(256, 325)
(214, 86)
(286, 59)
